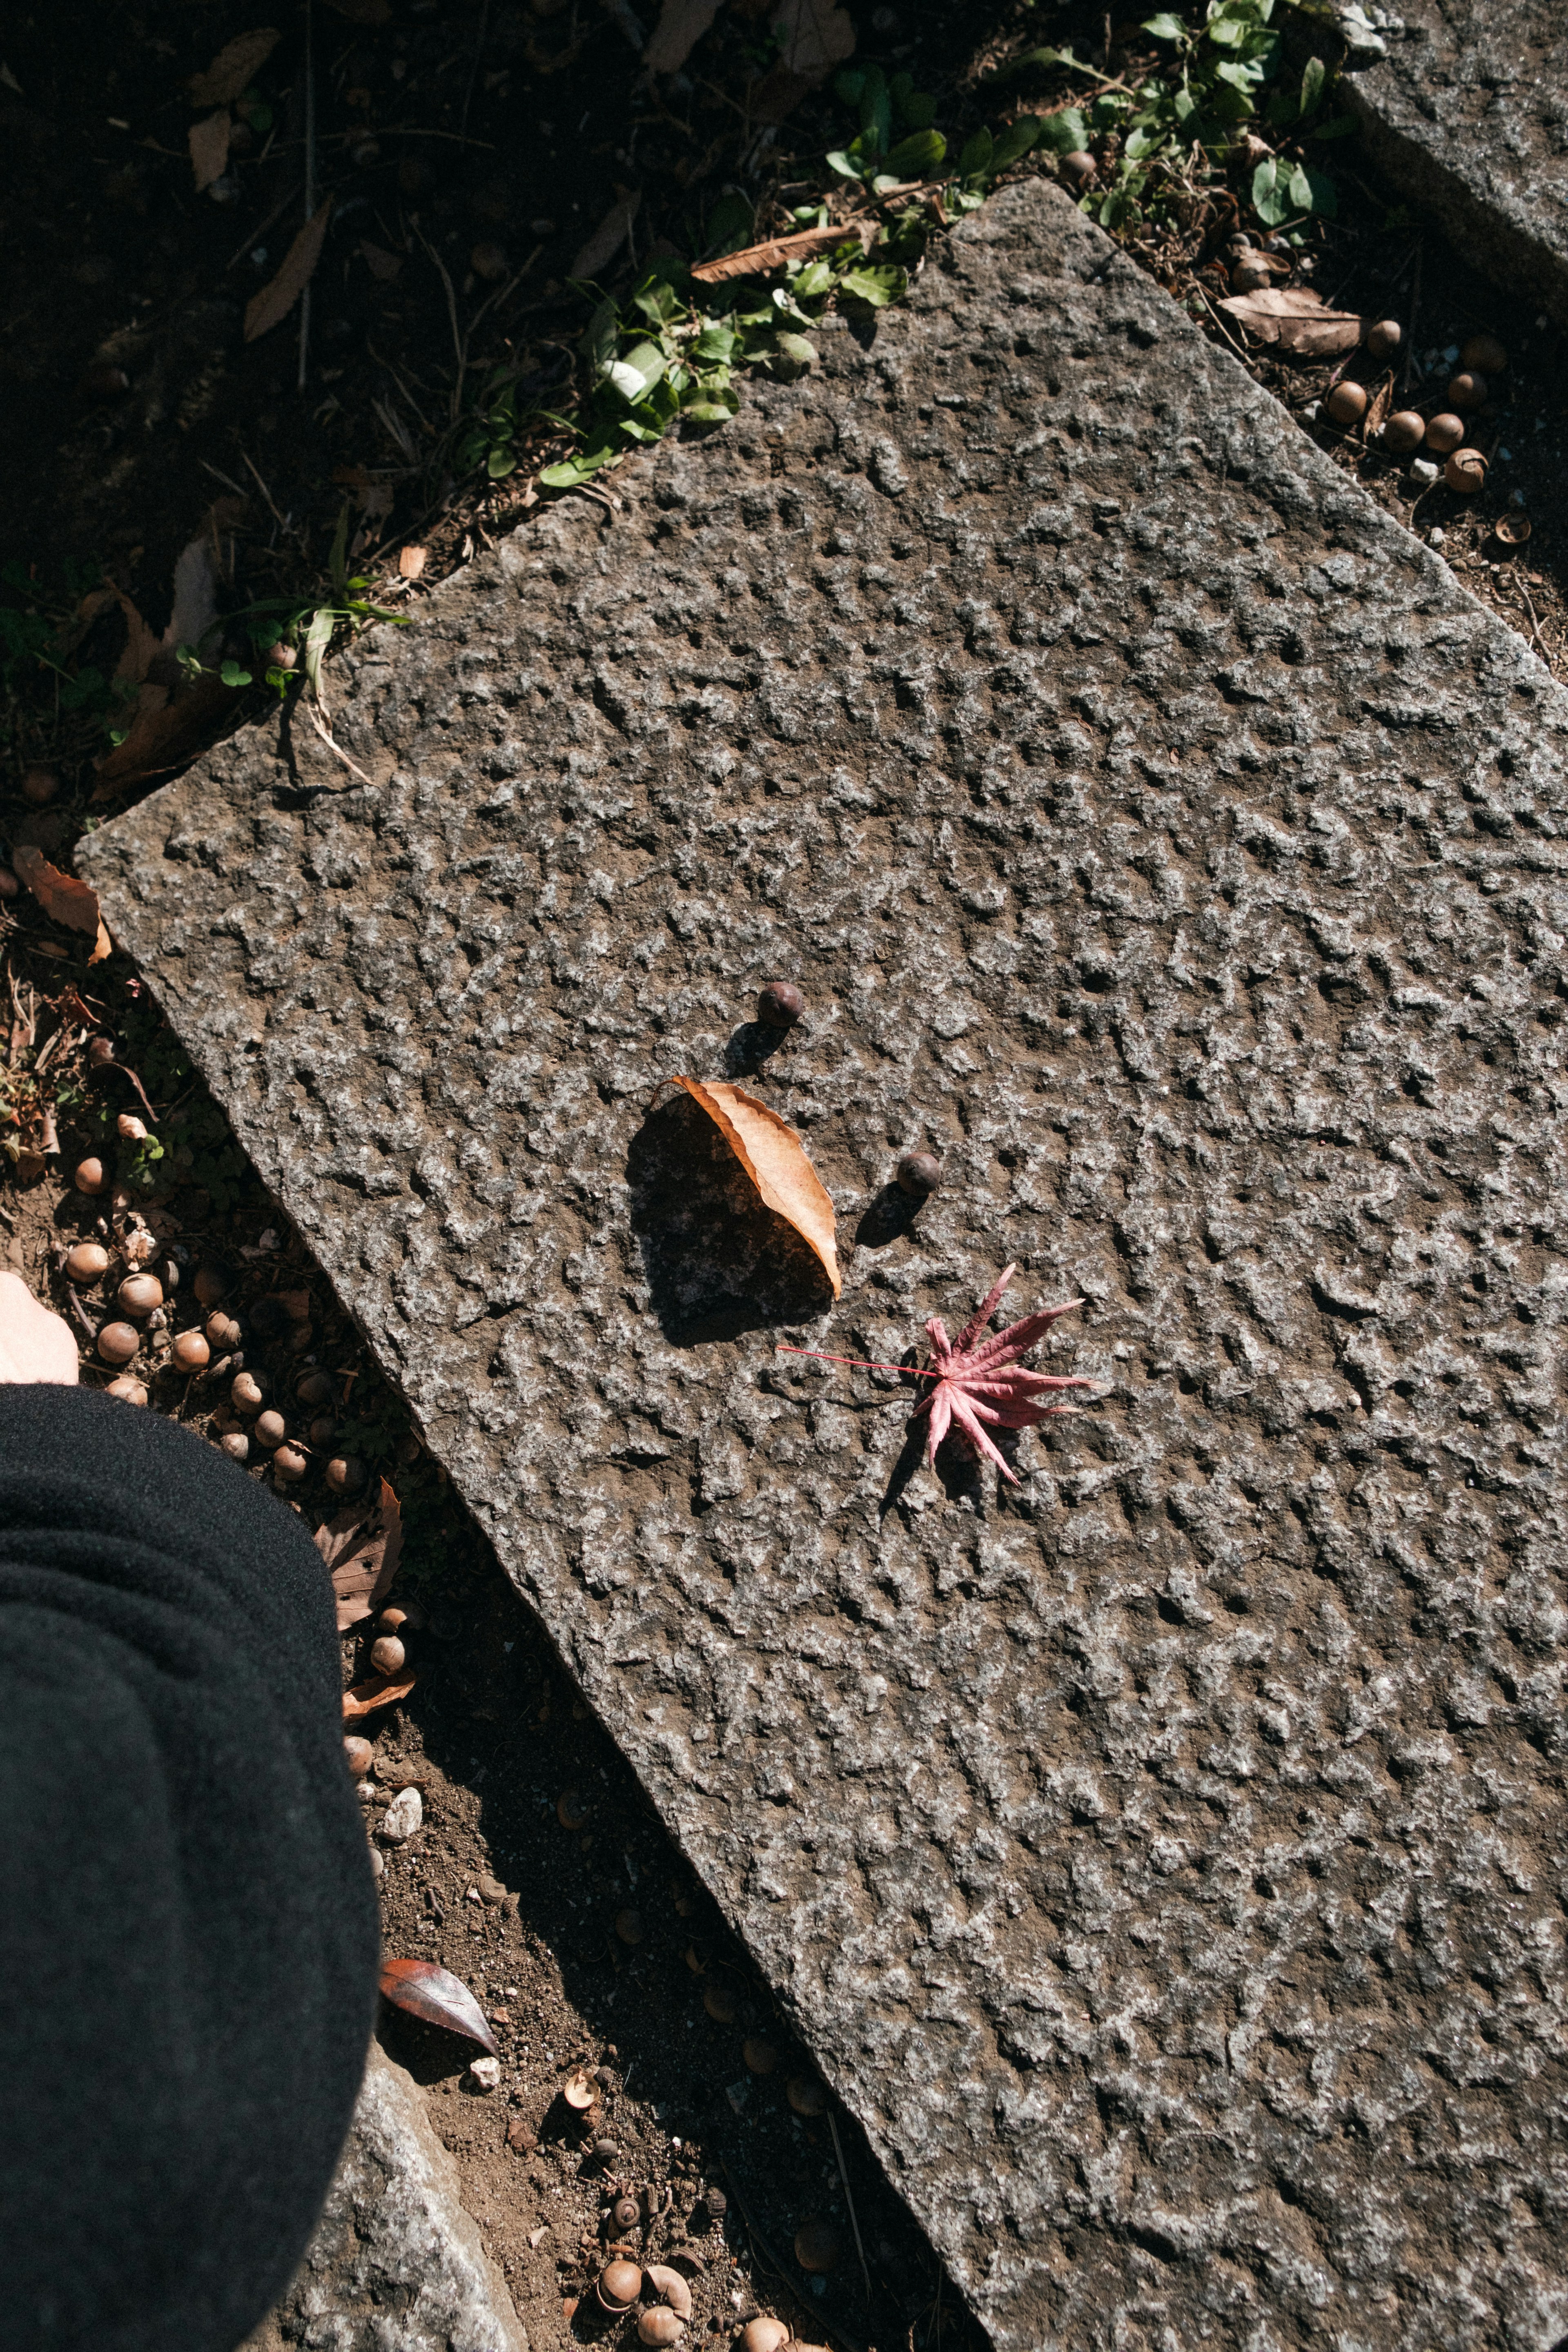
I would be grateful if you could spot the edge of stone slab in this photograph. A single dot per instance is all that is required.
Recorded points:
(394, 2236)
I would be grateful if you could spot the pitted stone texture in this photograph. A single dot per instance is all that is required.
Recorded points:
(1164, 1859)
(1469, 113)
(396, 2261)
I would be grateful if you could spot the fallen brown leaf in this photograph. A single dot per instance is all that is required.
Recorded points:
(428, 1991)
(608, 237)
(382, 1690)
(234, 68)
(378, 261)
(62, 896)
(142, 643)
(278, 295)
(756, 260)
(361, 1548)
(680, 26)
(773, 1157)
(411, 562)
(209, 147)
(163, 734)
(196, 594)
(815, 35)
(1293, 319)
(1377, 415)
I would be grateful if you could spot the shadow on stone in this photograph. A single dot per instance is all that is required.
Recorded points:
(718, 1263)
(754, 1043)
(891, 1213)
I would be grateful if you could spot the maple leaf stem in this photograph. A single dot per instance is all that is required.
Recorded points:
(863, 1363)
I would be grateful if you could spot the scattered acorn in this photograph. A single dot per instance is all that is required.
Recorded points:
(919, 1173)
(88, 1176)
(807, 2094)
(246, 1394)
(223, 1332)
(345, 1473)
(1347, 403)
(1250, 272)
(1484, 352)
(87, 1261)
(1384, 338)
(1444, 431)
(130, 1128)
(236, 1445)
(139, 1294)
(571, 1810)
(780, 1004)
(579, 2092)
(488, 260)
(118, 1342)
(360, 1756)
(1404, 430)
(128, 1390)
(766, 2335)
(1077, 169)
(629, 1925)
(818, 2245)
(314, 1388)
(1465, 472)
(387, 1654)
(191, 1352)
(211, 1284)
(291, 1463)
(659, 2324)
(322, 1430)
(759, 2053)
(618, 2286)
(271, 1428)
(1469, 389)
(1511, 531)
(719, 2002)
(39, 784)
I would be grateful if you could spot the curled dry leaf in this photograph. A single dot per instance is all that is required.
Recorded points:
(234, 68)
(680, 26)
(755, 260)
(278, 295)
(773, 1157)
(1293, 319)
(381, 1690)
(62, 896)
(163, 732)
(814, 36)
(435, 1994)
(608, 237)
(209, 147)
(361, 1548)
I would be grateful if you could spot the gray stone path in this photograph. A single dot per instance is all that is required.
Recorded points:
(1468, 113)
(396, 2261)
(1164, 1859)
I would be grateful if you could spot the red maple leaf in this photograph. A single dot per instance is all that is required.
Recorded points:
(979, 1384)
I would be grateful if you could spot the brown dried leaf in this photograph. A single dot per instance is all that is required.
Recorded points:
(680, 26)
(1294, 319)
(142, 643)
(815, 35)
(209, 147)
(382, 1690)
(361, 1548)
(773, 1157)
(378, 261)
(433, 1993)
(163, 735)
(411, 562)
(62, 896)
(608, 237)
(234, 68)
(278, 295)
(756, 260)
(1377, 415)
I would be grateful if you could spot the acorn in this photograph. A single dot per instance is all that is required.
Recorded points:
(1347, 403)
(488, 260)
(223, 1332)
(1249, 274)
(1469, 389)
(630, 1927)
(618, 2286)
(39, 784)
(1404, 430)
(236, 1445)
(780, 1004)
(129, 1391)
(282, 656)
(130, 1128)
(807, 2094)
(659, 2326)
(721, 2004)
(1444, 431)
(388, 1655)
(1465, 472)
(345, 1473)
(1077, 169)
(393, 1620)
(88, 1176)
(191, 1352)
(359, 1755)
(291, 1463)
(211, 1284)
(1384, 338)
(139, 1294)
(579, 2092)
(314, 1388)
(571, 1810)
(919, 1173)
(246, 1394)
(118, 1342)
(759, 2053)
(271, 1428)
(87, 1261)
(764, 2335)
(1484, 352)
(322, 1430)
(818, 2245)
(626, 2213)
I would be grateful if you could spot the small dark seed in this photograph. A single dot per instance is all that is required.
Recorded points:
(780, 1004)
(919, 1173)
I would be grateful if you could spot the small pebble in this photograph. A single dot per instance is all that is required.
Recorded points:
(405, 1816)
(1435, 538)
(1423, 470)
(485, 2073)
(359, 1755)
(377, 1866)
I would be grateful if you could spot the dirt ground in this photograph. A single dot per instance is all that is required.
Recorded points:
(132, 404)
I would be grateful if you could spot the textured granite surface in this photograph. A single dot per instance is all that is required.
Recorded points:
(1164, 1858)
(1468, 113)
(396, 2261)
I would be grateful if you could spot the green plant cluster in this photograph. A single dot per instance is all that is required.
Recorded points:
(309, 624)
(192, 1142)
(44, 692)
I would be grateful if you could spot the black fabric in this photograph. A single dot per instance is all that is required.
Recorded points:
(188, 1930)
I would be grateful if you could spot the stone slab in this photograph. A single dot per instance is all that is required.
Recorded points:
(1164, 1858)
(395, 2260)
(1468, 113)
